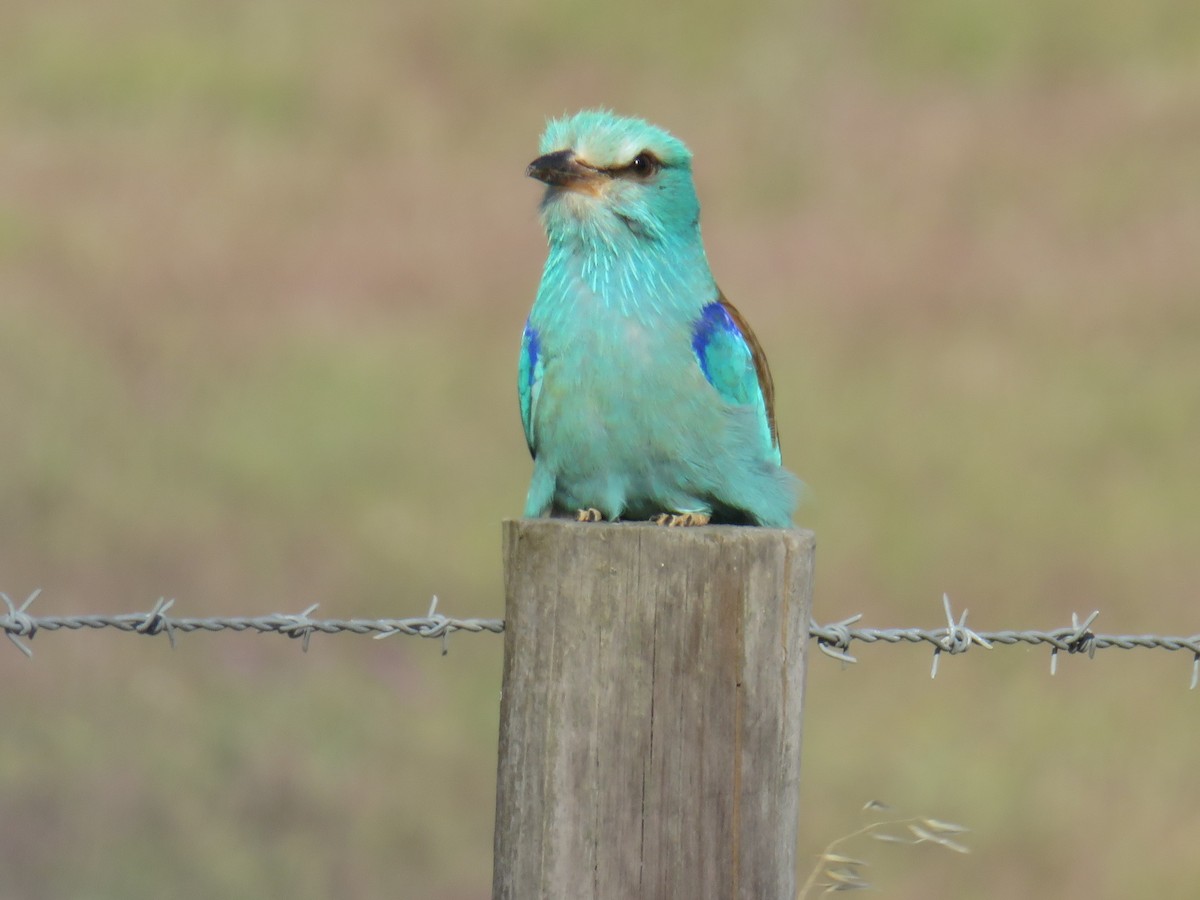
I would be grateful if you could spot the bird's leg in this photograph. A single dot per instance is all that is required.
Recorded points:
(591, 514)
(676, 520)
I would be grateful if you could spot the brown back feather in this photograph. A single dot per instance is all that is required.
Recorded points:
(760, 361)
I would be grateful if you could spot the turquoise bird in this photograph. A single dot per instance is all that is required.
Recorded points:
(644, 393)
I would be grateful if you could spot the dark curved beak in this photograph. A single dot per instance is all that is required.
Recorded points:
(559, 168)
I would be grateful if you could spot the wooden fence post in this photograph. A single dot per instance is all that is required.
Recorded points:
(651, 713)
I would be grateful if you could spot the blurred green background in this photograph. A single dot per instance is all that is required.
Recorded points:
(263, 270)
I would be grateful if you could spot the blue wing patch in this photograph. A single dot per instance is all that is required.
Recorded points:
(529, 380)
(725, 358)
(732, 360)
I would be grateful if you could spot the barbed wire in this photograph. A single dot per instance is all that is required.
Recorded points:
(834, 639)
(17, 623)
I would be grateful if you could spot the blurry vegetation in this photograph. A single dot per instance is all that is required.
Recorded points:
(835, 872)
(263, 266)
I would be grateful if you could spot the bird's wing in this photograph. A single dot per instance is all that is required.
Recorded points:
(734, 363)
(529, 381)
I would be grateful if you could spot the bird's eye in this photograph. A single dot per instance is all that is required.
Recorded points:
(644, 165)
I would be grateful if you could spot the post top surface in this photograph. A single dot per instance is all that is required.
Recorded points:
(703, 533)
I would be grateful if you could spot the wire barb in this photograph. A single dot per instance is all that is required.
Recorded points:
(1079, 640)
(157, 623)
(438, 626)
(299, 626)
(18, 623)
(834, 640)
(958, 638)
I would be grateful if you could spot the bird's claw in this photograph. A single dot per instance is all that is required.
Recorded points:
(680, 520)
(591, 514)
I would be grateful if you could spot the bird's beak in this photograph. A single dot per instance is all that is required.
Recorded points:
(560, 169)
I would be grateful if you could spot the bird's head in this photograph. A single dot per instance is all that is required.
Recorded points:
(610, 180)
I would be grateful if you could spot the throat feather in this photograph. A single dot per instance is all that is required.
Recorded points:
(638, 280)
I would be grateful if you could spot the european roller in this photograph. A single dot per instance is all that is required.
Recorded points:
(644, 393)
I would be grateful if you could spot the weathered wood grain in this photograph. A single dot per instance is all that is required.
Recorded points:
(651, 711)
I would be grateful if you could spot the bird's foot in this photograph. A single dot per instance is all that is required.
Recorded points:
(591, 514)
(679, 520)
